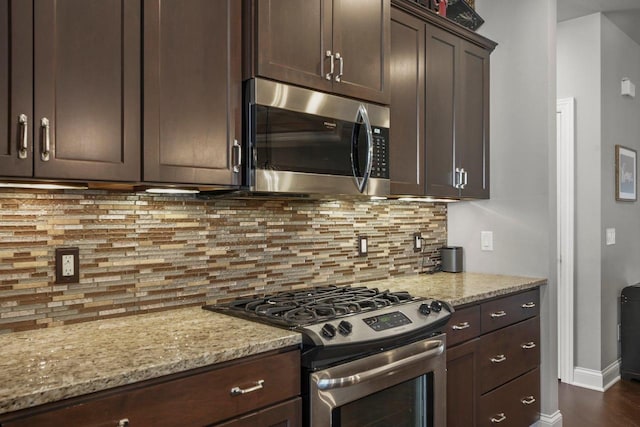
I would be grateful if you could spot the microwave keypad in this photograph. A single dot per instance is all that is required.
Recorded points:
(380, 164)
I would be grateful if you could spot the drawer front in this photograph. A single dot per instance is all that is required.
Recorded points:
(516, 403)
(200, 399)
(287, 414)
(509, 352)
(463, 325)
(509, 310)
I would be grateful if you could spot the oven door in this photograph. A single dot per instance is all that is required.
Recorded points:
(403, 387)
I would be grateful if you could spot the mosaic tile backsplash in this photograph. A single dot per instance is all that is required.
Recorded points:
(142, 253)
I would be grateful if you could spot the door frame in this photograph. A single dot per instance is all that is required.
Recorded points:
(565, 114)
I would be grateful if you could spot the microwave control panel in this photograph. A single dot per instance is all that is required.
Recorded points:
(380, 164)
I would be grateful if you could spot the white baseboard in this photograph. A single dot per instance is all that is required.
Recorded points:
(597, 380)
(549, 420)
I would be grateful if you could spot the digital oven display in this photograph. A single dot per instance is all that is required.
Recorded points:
(387, 321)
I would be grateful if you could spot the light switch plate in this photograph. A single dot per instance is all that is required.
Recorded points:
(486, 240)
(611, 236)
(363, 245)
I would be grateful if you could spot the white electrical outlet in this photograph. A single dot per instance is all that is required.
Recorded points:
(486, 240)
(67, 265)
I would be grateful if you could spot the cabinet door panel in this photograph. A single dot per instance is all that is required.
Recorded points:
(87, 84)
(16, 85)
(472, 131)
(361, 36)
(462, 387)
(441, 107)
(406, 148)
(293, 37)
(192, 90)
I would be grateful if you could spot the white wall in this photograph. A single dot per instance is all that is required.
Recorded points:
(579, 77)
(593, 57)
(521, 211)
(620, 125)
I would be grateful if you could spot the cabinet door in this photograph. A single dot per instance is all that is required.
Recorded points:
(193, 90)
(462, 387)
(293, 37)
(16, 87)
(442, 109)
(87, 85)
(472, 127)
(406, 79)
(361, 36)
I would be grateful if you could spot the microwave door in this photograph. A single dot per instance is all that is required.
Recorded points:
(361, 149)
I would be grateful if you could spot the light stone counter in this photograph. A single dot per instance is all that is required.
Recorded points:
(458, 288)
(52, 364)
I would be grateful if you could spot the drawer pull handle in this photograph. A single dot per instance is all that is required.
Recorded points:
(123, 422)
(529, 305)
(237, 391)
(498, 418)
(497, 314)
(528, 345)
(461, 326)
(529, 400)
(498, 359)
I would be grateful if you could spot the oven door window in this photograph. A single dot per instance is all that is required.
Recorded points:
(403, 405)
(298, 142)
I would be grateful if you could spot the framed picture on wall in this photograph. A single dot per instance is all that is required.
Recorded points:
(626, 188)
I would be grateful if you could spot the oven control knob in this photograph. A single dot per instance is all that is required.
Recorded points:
(424, 309)
(436, 306)
(345, 327)
(328, 330)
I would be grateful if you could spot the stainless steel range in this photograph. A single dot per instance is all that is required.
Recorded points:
(363, 350)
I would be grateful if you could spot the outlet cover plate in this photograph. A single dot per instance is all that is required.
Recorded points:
(70, 256)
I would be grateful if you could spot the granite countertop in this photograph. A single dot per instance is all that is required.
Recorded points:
(52, 364)
(459, 288)
(47, 365)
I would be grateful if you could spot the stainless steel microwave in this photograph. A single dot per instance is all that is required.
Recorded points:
(307, 142)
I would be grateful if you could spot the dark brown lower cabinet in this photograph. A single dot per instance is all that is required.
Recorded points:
(462, 384)
(493, 375)
(202, 397)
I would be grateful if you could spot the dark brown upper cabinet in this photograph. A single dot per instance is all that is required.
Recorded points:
(439, 84)
(338, 46)
(192, 91)
(83, 122)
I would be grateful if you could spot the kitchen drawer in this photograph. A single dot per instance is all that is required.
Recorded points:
(506, 311)
(199, 399)
(516, 403)
(287, 414)
(463, 325)
(509, 352)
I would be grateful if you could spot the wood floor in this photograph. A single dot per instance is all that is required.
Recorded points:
(617, 407)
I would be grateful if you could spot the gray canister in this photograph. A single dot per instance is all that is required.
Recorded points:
(451, 257)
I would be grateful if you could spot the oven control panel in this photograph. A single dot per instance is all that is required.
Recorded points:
(369, 326)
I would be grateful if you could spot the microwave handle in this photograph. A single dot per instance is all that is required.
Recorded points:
(362, 182)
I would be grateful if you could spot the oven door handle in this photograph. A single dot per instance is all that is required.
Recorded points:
(435, 348)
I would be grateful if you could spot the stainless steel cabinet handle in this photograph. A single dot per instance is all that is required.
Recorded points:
(46, 139)
(498, 418)
(465, 176)
(24, 127)
(460, 326)
(237, 391)
(457, 180)
(498, 359)
(529, 400)
(329, 75)
(528, 345)
(529, 305)
(341, 69)
(123, 422)
(237, 160)
(497, 314)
